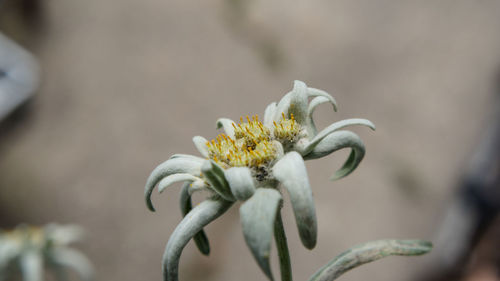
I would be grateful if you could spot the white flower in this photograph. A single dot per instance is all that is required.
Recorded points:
(248, 163)
(29, 248)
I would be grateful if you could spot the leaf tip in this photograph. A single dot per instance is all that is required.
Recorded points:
(150, 205)
(371, 125)
(422, 247)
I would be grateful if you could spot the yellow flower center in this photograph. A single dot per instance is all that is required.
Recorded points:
(252, 145)
(33, 234)
(286, 130)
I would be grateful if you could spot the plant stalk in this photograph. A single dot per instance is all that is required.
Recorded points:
(282, 245)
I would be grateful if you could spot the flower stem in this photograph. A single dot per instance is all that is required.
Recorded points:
(282, 245)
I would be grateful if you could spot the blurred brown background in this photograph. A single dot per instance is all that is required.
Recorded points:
(128, 83)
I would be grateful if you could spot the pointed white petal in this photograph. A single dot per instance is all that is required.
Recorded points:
(368, 252)
(8, 252)
(64, 234)
(338, 140)
(291, 172)
(187, 156)
(269, 114)
(192, 223)
(333, 142)
(227, 125)
(298, 102)
(167, 181)
(31, 266)
(75, 260)
(320, 93)
(197, 186)
(335, 127)
(311, 127)
(241, 182)
(200, 238)
(282, 106)
(258, 215)
(172, 166)
(201, 144)
(278, 148)
(295, 102)
(214, 175)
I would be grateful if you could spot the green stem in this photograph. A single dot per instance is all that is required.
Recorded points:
(281, 244)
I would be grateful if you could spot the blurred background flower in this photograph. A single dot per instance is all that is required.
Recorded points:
(118, 77)
(31, 251)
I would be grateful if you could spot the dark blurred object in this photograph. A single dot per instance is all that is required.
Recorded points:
(25, 13)
(19, 76)
(468, 241)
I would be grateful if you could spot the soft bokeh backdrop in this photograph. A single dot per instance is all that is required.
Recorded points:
(128, 83)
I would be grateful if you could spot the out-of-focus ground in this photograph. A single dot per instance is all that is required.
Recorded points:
(127, 83)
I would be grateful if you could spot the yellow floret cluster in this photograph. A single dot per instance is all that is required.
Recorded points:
(251, 132)
(252, 145)
(34, 234)
(286, 130)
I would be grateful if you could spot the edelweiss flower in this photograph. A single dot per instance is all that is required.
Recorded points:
(248, 163)
(29, 248)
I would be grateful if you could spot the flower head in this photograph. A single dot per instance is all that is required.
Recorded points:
(250, 146)
(30, 247)
(248, 162)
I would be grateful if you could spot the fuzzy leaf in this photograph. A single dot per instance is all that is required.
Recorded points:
(291, 172)
(310, 126)
(31, 266)
(8, 251)
(200, 238)
(70, 258)
(187, 156)
(167, 181)
(197, 185)
(313, 92)
(338, 140)
(294, 102)
(298, 102)
(175, 165)
(369, 252)
(258, 215)
(201, 144)
(241, 182)
(269, 114)
(214, 174)
(227, 125)
(332, 128)
(63, 234)
(282, 106)
(193, 222)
